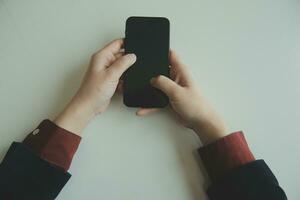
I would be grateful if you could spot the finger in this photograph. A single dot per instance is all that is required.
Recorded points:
(113, 47)
(118, 55)
(179, 69)
(113, 59)
(168, 86)
(146, 111)
(103, 58)
(121, 65)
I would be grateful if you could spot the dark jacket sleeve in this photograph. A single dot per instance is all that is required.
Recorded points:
(252, 181)
(25, 176)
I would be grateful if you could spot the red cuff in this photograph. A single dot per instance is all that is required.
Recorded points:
(225, 154)
(53, 144)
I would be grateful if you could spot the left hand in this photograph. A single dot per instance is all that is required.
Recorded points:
(98, 86)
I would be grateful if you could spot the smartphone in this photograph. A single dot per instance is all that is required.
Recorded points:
(148, 38)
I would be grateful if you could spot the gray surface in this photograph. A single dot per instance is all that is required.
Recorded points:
(244, 54)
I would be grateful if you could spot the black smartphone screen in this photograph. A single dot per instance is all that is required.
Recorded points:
(148, 39)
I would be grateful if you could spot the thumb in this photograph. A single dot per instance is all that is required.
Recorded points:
(165, 84)
(121, 65)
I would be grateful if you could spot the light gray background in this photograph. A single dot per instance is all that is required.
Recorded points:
(244, 55)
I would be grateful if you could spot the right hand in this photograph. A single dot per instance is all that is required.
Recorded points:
(187, 101)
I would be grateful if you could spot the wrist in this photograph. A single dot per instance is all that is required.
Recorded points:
(75, 117)
(210, 130)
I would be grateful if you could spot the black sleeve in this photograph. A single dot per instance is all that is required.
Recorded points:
(25, 176)
(253, 181)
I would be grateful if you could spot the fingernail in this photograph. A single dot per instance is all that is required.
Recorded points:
(132, 56)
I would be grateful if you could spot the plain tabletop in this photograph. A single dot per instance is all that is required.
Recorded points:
(244, 55)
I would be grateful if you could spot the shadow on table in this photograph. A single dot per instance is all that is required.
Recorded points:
(194, 171)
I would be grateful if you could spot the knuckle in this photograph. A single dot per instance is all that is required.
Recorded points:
(97, 56)
(118, 41)
(93, 56)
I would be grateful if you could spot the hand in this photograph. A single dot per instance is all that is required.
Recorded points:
(189, 104)
(98, 86)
